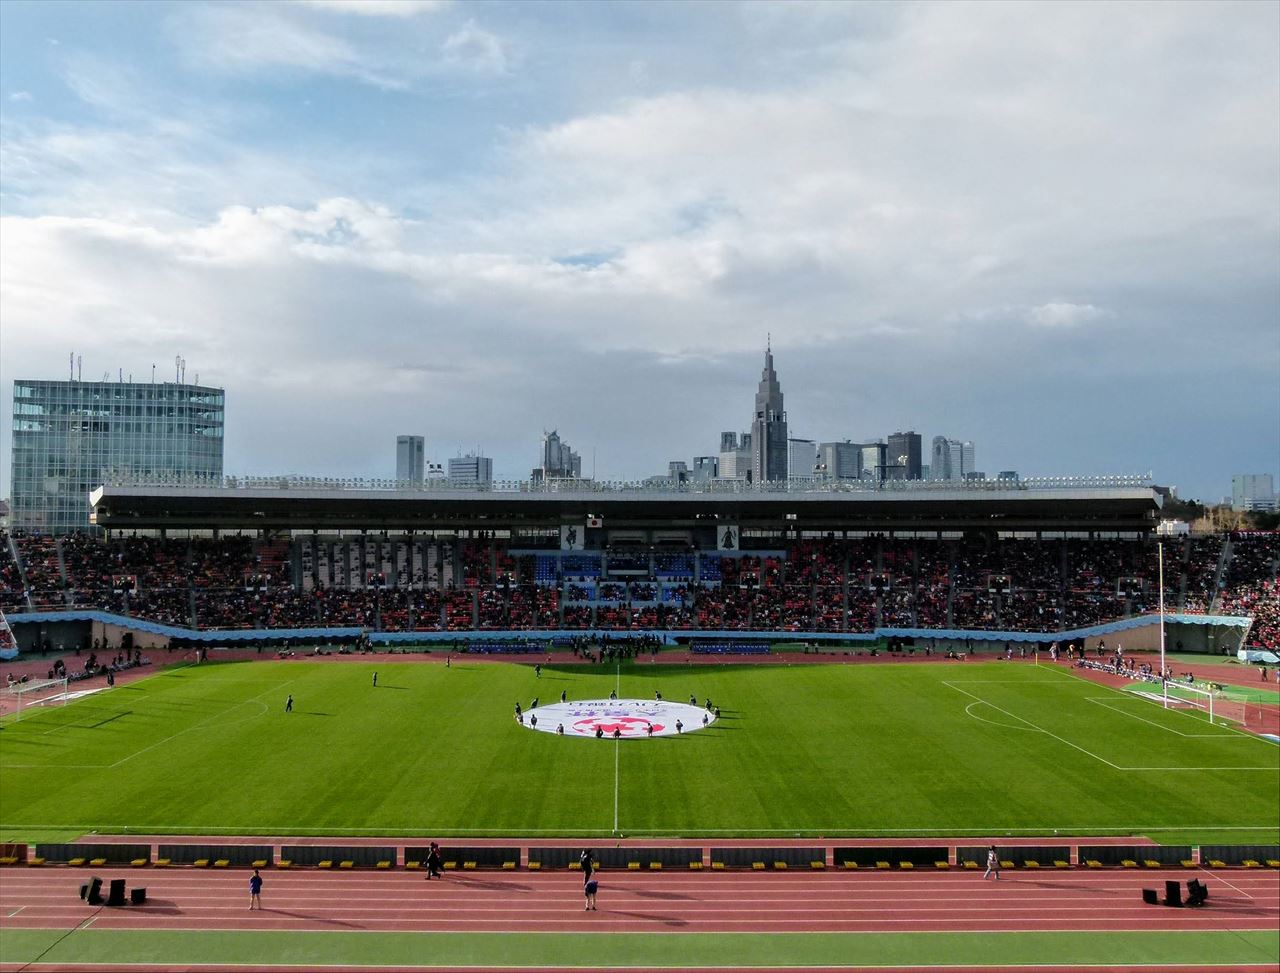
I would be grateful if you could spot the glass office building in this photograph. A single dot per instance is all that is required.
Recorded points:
(68, 436)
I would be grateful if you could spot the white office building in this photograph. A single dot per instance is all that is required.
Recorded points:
(1253, 491)
(470, 470)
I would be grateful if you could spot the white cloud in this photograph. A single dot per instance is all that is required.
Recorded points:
(20, 96)
(247, 39)
(1060, 314)
(475, 49)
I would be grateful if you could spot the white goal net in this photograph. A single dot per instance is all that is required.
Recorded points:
(37, 692)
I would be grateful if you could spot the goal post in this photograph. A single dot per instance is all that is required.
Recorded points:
(37, 692)
(1219, 707)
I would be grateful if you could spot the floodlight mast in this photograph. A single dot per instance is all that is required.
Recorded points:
(1163, 685)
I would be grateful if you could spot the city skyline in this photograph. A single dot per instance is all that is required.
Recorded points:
(1018, 225)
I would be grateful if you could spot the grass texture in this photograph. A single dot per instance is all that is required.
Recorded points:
(810, 750)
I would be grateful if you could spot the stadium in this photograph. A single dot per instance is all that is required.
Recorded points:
(787, 724)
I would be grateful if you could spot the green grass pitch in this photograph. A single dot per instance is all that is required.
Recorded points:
(805, 750)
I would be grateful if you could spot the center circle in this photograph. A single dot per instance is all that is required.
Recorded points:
(627, 719)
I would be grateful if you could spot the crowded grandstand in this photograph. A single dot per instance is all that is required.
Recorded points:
(984, 562)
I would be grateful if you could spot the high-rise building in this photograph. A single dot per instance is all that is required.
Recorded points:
(840, 461)
(802, 459)
(68, 436)
(470, 470)
(952, 459)
(735, 456)
(904, 451)
(410, 459)
(1253, 491)
(874, 460)
(678, 471)
(705, 468)
(769, 427)
(558, 460)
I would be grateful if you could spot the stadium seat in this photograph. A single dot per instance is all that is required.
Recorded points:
(655, 866)
(575, 866)
(384, 864)
(260, 863)
(695, 866)
(1151, 863)
(1217, 863)
(139, 863)
(284, 863)
(716, 866)
(9, 860)
(941, 865)
(469, 866)
(1251, 863)
(327, 863)
(76, 862)
(906, 866)
(222, 863)
(200, 863)
(35, 860)
(817, 865)
(1007, 864)
(851, 865)
(971, 865)
(413, 866)
(1030, 863)
(780, 866)
(347, 864)
(162, 862)
(1093, 863)
(633, 866)
(450, 866)
(1059, 863)
(535, 866)
(882, 865)
(510, 866)
(1188, 863)
(758, 866)
(97, 862)
(1128, 863)
(1273, 862)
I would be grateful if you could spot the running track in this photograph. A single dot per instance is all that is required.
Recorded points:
(648, 902)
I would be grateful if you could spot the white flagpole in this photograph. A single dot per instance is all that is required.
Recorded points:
(1163, 685)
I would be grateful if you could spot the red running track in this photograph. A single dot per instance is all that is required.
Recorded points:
(645, 901)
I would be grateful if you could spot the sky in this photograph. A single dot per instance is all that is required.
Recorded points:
(1052, 229)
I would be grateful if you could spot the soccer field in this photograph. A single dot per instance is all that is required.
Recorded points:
(895, 749)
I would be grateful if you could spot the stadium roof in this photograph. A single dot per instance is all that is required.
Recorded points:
(1112, 504)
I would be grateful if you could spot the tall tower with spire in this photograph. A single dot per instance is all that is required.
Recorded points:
(769, 426)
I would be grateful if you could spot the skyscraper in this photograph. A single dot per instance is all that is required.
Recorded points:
(558, 460)
(410, 459)
(802, 459)
(840, 461)
(68, 436)
(769, 427)
(904, 451)
(952, 459)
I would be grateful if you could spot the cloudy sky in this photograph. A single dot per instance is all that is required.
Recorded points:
(1053, 229)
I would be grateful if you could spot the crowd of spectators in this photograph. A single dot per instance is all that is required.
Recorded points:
(811, 584)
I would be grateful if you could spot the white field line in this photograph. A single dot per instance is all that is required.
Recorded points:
(617, 745)
(1105, 701)
(1055, 736)
(172, 736)
(1007, 726)
(16, 911)
(830, 832)
(1128, 695)
(1274, 769)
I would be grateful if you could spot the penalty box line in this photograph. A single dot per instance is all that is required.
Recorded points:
(1073, 746)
